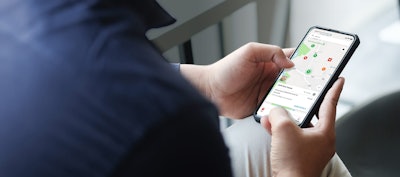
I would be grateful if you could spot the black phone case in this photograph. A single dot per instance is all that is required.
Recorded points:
(332, 80)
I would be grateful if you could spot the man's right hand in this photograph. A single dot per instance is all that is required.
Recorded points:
(303, 152)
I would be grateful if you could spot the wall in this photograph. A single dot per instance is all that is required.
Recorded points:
(255, 20)
(346, 15)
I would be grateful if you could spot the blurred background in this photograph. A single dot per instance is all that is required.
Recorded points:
(209, 29)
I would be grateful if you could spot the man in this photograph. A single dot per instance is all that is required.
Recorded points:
(84, 93)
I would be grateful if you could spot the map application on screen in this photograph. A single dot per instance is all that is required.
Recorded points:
(316, 59)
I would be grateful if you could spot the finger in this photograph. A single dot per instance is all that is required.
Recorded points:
(288, 52)
(282, 61)
(327, 111)
(279, 118)
(264, 121)
(268, 53)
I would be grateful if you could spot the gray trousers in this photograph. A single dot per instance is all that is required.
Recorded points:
(249, 145)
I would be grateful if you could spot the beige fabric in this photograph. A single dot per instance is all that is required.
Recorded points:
(249, 145)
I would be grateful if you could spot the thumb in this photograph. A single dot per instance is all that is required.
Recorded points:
(278, 118)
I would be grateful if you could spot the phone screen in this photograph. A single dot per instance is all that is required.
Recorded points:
(316, 60)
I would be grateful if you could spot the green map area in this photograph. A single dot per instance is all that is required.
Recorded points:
(303, 49)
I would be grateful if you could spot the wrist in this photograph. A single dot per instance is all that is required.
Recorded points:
(197, 75)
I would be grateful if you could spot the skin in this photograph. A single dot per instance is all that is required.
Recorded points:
(238, 82)
(303, 152)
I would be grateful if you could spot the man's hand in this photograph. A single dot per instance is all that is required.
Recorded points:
(238, 82)
(303, 152)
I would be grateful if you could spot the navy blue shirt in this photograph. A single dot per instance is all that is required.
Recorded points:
(84, 93)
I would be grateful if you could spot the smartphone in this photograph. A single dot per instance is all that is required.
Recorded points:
(319, 59)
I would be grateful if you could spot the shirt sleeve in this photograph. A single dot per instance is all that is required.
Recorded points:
(176, 66)
(189, 146)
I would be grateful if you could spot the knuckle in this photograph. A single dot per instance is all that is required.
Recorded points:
(250, 45)
(275, 47)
